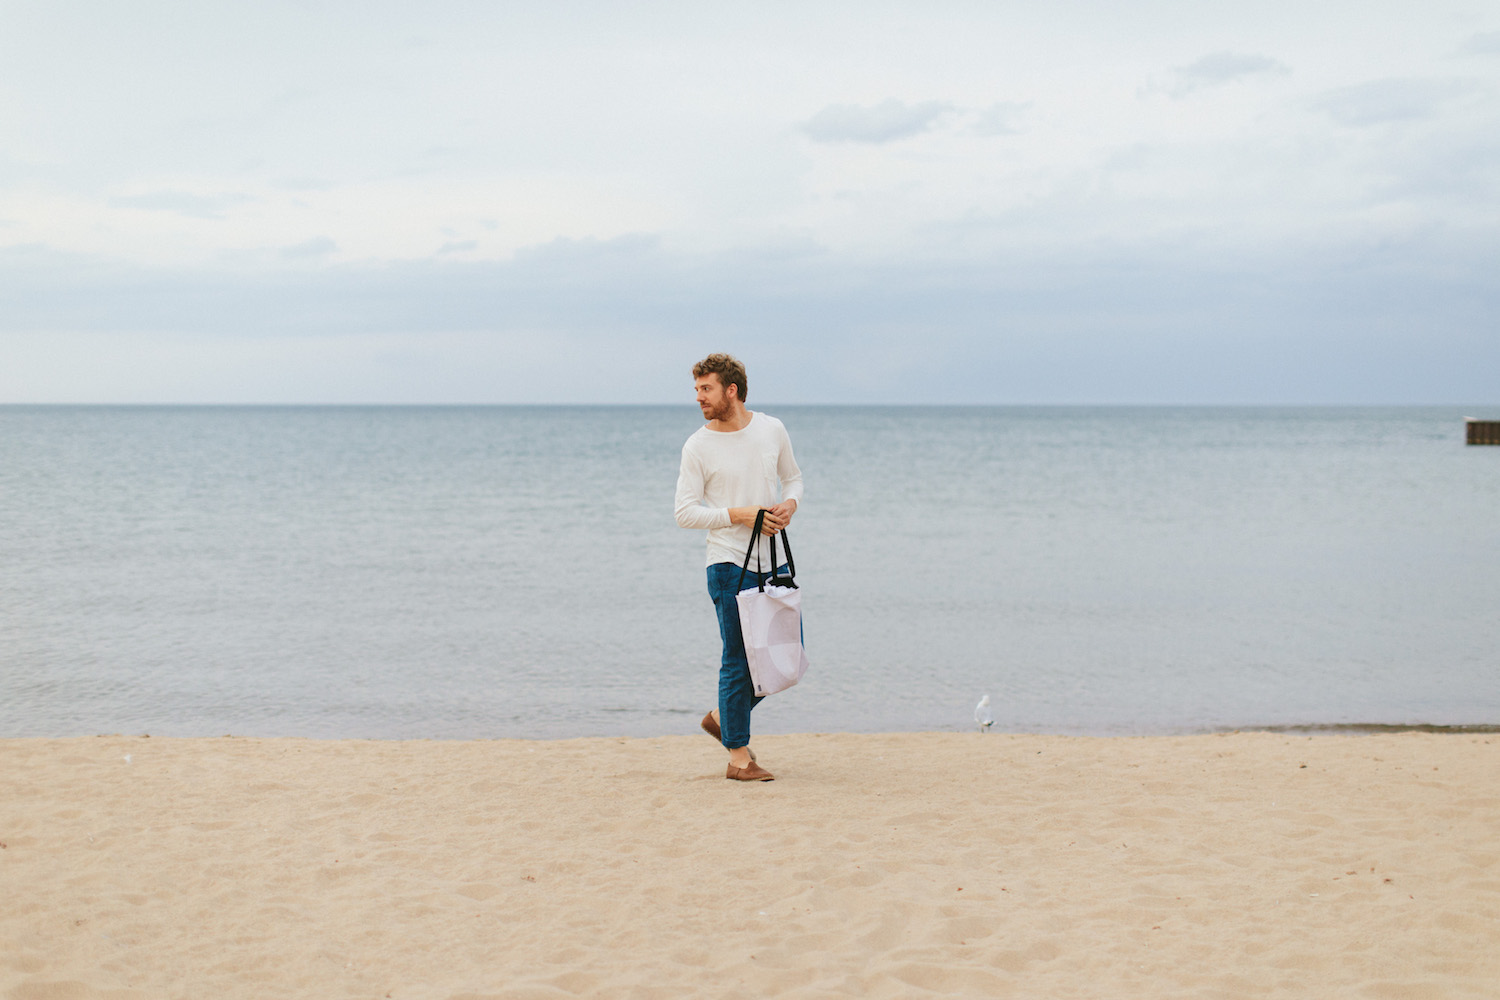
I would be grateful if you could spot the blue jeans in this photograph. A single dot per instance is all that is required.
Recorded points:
(736, 691)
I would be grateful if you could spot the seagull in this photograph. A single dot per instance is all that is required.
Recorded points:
(982, 714)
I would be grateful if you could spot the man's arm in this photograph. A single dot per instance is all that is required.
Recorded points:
(689, 507)
(791, 482)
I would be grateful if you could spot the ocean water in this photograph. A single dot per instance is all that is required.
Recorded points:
(451, 572)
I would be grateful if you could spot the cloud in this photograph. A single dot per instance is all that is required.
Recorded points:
(195, 206)
(1390, 100)
(301, 184)
(591, 253)
(316, 247)
(1000, 118)
(1219, 68)
(457, 246)
(885, 122)
(1484, 44)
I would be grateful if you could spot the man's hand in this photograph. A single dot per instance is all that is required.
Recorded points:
(783, 513)
(776, 517)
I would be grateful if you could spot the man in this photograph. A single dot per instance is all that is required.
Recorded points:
(738, 464)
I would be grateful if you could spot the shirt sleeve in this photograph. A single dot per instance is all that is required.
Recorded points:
(788, 472)
(690, 509)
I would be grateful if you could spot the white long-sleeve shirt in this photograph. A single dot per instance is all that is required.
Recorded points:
(750, 467)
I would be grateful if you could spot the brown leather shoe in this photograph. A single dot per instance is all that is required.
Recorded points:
(751, 772)
(711, 727)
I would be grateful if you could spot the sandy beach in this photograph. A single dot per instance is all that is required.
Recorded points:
(958, 864)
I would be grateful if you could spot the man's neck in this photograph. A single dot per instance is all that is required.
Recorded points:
(736, 421)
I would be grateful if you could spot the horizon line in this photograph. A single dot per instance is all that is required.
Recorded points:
(157, 404)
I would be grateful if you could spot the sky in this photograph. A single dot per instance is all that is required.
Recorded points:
(570, 202)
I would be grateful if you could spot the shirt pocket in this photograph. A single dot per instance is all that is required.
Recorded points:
(768, 471)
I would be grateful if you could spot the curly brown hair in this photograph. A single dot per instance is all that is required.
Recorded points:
(728, 368)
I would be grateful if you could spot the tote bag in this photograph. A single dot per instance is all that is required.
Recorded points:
(771, 620)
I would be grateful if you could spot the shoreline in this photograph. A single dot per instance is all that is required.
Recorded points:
(1367, 728)
(1293, 729)
(1235, 864)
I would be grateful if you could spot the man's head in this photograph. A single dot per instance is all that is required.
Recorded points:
(720, 383)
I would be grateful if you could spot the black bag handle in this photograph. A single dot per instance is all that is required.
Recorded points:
(790, 580)
(760, 520)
